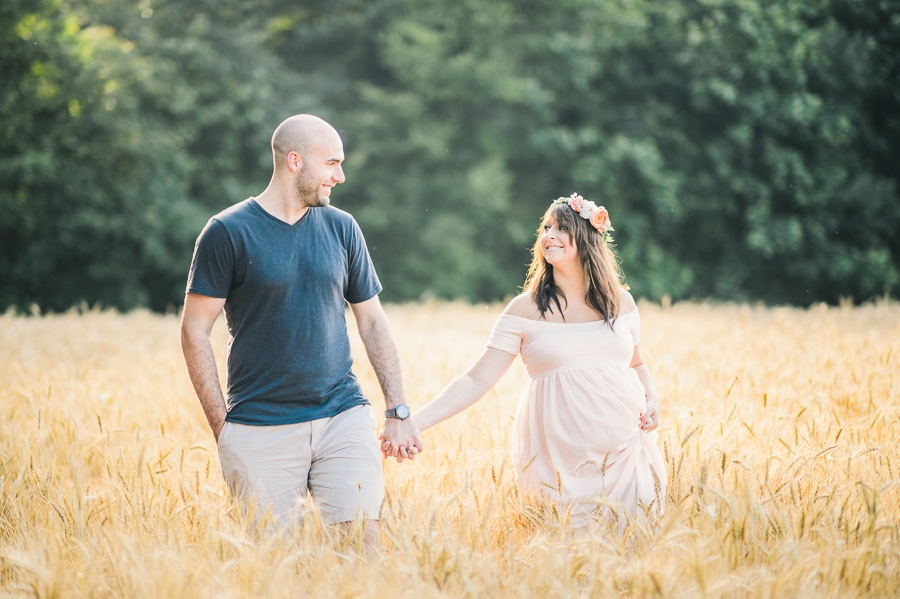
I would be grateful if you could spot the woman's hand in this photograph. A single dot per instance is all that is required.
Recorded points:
(650, 417)
(401, 452)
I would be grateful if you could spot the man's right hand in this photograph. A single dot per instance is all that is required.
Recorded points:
(197, 319)
(218, 430)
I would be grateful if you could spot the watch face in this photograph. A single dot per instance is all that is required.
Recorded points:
(402, 412)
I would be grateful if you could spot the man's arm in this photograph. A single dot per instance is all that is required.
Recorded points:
(381, 348)
(197, 319)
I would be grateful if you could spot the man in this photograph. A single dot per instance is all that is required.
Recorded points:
(281, 265)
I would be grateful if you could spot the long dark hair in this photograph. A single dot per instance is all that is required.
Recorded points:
(598, 261)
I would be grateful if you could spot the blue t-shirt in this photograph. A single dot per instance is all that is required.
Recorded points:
(284, 288)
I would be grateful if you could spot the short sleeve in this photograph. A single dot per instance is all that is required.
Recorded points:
(212, 267)
(362, 281)
(632, 322)
(507, 335)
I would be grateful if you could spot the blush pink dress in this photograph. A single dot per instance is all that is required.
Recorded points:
(577, 435)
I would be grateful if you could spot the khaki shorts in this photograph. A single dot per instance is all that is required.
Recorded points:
(335, 459)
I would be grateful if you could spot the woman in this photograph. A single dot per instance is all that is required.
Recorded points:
(583, 431)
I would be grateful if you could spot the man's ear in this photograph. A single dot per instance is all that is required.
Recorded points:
(294, 161)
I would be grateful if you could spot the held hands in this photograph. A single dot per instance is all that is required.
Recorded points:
(650, 417)
(400, 439)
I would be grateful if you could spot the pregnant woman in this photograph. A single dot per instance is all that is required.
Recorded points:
(585, 424)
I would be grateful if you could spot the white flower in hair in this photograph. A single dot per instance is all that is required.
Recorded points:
(588, 209)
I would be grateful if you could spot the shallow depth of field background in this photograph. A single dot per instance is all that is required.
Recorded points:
(779, 431)
(746, 149)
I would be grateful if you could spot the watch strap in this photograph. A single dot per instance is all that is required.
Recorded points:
(393, 412)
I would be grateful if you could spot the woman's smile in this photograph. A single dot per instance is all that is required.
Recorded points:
(554, 242)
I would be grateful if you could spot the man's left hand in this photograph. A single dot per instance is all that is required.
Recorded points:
(400, 439)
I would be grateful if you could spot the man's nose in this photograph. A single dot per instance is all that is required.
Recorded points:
(338, 175)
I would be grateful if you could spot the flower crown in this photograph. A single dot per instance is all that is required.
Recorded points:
(597, 215)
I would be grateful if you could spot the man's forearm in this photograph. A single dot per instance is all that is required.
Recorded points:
(201, 365)
(385, 359)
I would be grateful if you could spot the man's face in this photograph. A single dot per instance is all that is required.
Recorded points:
(321, 170)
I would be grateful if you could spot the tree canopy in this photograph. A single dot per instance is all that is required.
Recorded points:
(746, 149)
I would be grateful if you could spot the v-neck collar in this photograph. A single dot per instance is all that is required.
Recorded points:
(256, 206)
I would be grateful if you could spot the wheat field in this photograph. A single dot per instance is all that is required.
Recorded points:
(779, 431)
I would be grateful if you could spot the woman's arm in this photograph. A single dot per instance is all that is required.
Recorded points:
(465, 390)
(650, 417)
(461, 393)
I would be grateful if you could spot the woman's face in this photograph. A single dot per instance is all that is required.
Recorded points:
(557, 244)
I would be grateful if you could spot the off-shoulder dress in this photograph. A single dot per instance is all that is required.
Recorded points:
(578, 437)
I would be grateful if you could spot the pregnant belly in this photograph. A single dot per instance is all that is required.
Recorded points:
(598, 409)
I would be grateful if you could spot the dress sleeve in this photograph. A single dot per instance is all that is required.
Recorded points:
(633, 324)
(507, 335)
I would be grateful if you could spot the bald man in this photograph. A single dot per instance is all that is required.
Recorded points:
(294, 420)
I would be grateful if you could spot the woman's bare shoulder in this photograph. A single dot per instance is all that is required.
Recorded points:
(522, 306)
(626, 302)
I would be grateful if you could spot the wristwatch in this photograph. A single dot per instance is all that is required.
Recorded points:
(400, 412)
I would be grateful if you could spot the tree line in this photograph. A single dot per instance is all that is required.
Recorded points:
(746, 149)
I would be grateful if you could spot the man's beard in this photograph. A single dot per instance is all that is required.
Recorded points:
(310, 191)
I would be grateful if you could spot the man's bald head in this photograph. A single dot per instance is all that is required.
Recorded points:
(300, 133)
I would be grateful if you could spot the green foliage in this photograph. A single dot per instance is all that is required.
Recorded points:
(124, 128)
(739, 144)
(746, 149)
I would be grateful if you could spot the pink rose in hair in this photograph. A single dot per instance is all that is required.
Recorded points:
(600, 219)
(576, 203)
